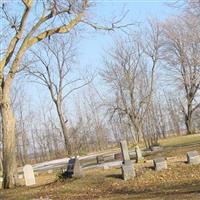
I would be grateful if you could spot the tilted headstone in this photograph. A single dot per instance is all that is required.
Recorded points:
(124, 150)
(29, 175)
(160, 164)
(138, 154)
(74, 168)
(193, 157)
(100, 159)
(128, 171)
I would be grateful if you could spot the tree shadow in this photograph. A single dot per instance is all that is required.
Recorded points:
(175, 190)
(116, 176)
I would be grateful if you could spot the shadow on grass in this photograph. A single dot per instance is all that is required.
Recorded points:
(175, 190)
(185, 144)
(116, 176)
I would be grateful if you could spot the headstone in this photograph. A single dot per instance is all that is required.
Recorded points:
(29, 175)
(118, 156)
(138, 154)
(74, 168)
(1, 182)
(193, 157)
(100, 159)
(128, 171)
(124, 150)
(70, 167)
(160, 164)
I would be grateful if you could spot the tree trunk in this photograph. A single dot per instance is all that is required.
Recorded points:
(68, 147)
(188, 119)
(9, 145)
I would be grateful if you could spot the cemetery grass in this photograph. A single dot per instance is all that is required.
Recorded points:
(179, 181)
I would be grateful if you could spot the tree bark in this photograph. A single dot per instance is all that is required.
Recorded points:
(68, 147)
(188, 119)
(9, 144)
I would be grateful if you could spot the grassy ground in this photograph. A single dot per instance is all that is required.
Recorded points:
(180, 181)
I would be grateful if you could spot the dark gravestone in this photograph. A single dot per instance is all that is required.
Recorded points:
(193, 157)
(118, 156)
(74, 168)
(160, 164)
(100, 159)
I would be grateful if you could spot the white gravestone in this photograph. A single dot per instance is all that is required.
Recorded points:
(29, 175)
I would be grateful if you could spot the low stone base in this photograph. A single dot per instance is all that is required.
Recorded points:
(160, 164)
(128, 171)
(193, 158)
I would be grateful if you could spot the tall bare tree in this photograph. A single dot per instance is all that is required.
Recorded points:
(54, 61)
(182, 40)
(50, 17)
(130, 71)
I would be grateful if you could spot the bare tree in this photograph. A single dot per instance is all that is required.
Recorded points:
(182, 52)
(132, 79)
(55, 59)
(53, 17)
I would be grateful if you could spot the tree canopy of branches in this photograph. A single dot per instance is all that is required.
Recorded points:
(38, 20)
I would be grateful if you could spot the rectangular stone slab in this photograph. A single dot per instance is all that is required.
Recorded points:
(160, 164)
(100, 159)
(29, 175)
(124, 150)
(128, 171)
(118, 156)
(193, 157)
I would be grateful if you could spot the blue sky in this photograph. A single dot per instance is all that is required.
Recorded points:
(91, 48)
(93, 43)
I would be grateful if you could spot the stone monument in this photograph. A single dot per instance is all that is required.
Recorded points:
(128, 171)
(193, 157)
(160, 164)
(29, 175)
(138, 154)
(100, 159)
(74, 168)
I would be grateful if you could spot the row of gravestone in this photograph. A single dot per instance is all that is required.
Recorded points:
(118, 156)
(128, 171)
(74, 170)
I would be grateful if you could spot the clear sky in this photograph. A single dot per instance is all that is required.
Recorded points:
(93, 43)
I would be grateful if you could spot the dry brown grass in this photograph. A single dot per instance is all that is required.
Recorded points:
(180, 181)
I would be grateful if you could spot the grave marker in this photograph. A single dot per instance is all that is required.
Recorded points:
(100, 159)
(128, 171)
(29, 175)
(193, 157)
(74, 168)
(138, 154)
(160, 164)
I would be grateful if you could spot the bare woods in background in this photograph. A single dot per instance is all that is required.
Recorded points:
(150, 83)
